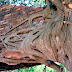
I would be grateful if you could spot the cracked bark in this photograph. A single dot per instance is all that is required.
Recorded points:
(51, 41)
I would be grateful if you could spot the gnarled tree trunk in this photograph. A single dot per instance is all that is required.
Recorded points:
(44, 44)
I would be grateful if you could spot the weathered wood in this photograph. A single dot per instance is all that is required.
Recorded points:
(51, 41)
(43, 13)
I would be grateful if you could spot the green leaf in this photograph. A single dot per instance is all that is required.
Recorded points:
(37, 0)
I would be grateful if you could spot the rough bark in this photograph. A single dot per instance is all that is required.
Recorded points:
(51, 41)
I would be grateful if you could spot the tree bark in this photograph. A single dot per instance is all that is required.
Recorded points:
(51, 41)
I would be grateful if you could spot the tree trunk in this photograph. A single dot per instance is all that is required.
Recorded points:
(43, 44)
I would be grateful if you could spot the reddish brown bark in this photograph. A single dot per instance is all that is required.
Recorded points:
(38, 44)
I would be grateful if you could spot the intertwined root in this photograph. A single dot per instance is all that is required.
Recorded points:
(33, 43)
(23, 41)
(25, 36)
(38, 44)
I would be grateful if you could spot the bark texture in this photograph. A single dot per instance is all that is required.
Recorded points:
(39, 44)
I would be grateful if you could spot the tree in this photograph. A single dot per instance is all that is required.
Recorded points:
(25, 2)
(44, 44)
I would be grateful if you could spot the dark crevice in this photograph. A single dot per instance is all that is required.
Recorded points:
(37, 50)
(52, 6)
(31, 60)
(11, 37)
(0, 48)
(57, 50)
(19, 33)
(36, 17)
(3, 38)
(67, 57)
(23, 32)
(6, 44)
(35, 33)
(11, 42)
(35, 38)
(26, 57)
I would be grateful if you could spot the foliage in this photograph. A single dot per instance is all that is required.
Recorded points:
(36, 3)
(37, 68)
